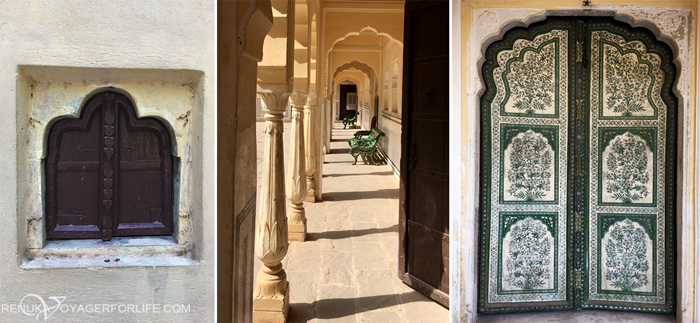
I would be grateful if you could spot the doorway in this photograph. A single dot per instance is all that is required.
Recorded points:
(345, 91)
(578, 179)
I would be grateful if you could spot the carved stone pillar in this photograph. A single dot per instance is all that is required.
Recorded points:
(271, 299)
(309, 141)
(296, 175)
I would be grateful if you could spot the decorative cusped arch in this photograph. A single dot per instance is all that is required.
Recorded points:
(345, 31)
(106, 144)
(356, 64)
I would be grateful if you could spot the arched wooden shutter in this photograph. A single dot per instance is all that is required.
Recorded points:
(108, 173)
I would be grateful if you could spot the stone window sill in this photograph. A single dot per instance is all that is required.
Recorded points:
(119, 252)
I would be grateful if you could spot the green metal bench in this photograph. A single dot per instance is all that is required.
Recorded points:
(350, 120)
(365, 147)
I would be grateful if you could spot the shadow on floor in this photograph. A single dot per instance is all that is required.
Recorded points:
(354, 174)
(386, 193)
(340, 151)
(348, 233)
(334, 308)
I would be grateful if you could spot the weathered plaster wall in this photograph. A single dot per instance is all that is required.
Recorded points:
(479, 23)
(68, 50)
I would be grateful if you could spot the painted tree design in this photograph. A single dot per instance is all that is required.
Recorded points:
(627, 169)
(625, 82)
(528, 263)
(532, 80)
(530, 167)
(627, 264)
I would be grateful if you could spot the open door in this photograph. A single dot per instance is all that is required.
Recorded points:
(424, 214)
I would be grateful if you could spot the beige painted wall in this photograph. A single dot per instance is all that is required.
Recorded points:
(474, 21)
(111, 38)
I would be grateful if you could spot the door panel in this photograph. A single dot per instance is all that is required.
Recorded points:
(577, 169)
(424, 212)
(630, 238)
(526, 241)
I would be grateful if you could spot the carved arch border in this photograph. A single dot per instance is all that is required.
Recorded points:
(670, 26)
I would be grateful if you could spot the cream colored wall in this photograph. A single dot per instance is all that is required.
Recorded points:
(109, 37)
(472, 19)
(389, 119)
(278, 47)
(392, 53)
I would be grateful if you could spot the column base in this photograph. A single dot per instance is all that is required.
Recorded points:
(311, 196)
(296, 232)
(271, 310)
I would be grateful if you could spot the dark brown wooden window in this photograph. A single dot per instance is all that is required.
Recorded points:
(108, 173)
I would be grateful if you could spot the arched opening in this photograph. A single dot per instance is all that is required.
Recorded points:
(108, 173)
(577, 88)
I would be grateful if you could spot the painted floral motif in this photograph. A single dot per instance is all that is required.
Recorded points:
(530, 172)
(626, 251)
(627, 169)
(528, 266)
(626, 82)
(532, 80)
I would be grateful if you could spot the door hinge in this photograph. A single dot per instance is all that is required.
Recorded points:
(578, 221)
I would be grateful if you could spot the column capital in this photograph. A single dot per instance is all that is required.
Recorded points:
(298, 99)
(311, 100)
(275, 103)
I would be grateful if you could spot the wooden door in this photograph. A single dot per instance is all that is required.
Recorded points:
(424, 214)
(577, 174)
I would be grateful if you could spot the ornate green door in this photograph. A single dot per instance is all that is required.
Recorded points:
(577, 174)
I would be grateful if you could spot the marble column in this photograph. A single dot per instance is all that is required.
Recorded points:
(309, 141)
(271, 297)
(296, 173)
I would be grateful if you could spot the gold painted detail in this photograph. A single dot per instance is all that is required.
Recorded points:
(579, 52)
(580, 109)
(578, 279)
(579, 165)
(578, 221)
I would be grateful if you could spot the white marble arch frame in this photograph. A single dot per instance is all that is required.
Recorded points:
(672, 26)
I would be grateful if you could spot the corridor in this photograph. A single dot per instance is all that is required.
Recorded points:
(346, 270)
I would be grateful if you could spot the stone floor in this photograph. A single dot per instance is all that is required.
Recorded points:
(346, 271)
